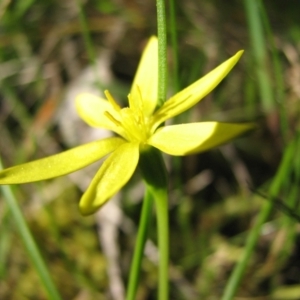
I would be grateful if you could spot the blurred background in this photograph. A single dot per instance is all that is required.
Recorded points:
(52, 50)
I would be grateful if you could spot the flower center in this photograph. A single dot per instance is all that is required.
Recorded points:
(132, 119)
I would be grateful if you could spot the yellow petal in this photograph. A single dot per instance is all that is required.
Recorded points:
(192, 138)
(93, 110)
(60, 164)
(195, 92)
(111, 177)
(145, 83)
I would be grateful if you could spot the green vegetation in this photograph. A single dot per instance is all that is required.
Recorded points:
(230, 235)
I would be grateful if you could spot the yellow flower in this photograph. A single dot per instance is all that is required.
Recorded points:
(138, 127)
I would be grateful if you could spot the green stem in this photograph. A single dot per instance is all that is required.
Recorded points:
(161, 202)
(29, 242)
(154, 173)
(153, 167)
(139, 247)
(162, 52)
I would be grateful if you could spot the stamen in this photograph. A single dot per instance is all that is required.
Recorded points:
(108, 115)
(112, 101)
(136, 103)
(130, 119)
(133, 123)
(130, 101)
(140, 94)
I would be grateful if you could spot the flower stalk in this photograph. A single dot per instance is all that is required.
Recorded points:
(162, 52)
(154, 173)
(139, 246)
